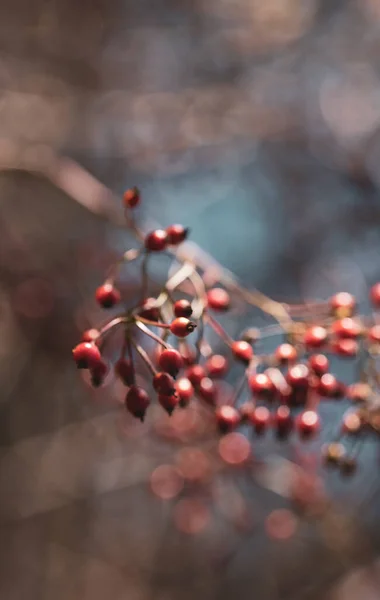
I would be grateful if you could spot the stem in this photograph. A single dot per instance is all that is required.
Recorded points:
(152, 335)
(151, 323)
(239, 390)
(144, 276)
(144, 357)
(219, 330)
(111, 324)
(130, 355)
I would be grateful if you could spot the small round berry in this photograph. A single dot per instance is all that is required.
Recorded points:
(374, 334)
(218, 299)
(182, 308)
(90, 335)
(131, 197)
(168, 402)
(375, 295)
(319, 364)
(195, 374)
(207, 390)
(345, 347)
(351, 423)
(308, 422)
(184, 390)
(98, 373)
(125, 371)
(149, 310)
(163, 383)
(343, 304)
(261, 419)
(242, 351)
(298, 376)
(329, 386)
(176, 234)
(283, 420)
(315, 337)
(107, 295)
(333, 453)
(156, 241)
(359, 392)
(227, 418)
(216, 366)
(86, 355)
(261, 385)
(170, 361)
(137, 401)
(247, 411)
(285, 354)
(251, 335)
(346, 328)
(181, 327)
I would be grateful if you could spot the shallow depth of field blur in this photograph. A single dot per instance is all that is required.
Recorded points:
(257, 124)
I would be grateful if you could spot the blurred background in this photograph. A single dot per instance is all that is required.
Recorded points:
(257, 124)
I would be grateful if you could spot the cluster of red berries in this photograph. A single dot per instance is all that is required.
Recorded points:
(284, 388)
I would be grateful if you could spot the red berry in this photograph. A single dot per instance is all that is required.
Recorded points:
(374, 334)
(308, 422)
(343, 304)
(168, 402)
(359, 392)
(131, 197)
(242, 351)
(247, 411)
(170, 361)
(375, 295)
(107, 295)
(185, 391)
(98, 373)
(163, 383)
(346, 328)
(319, 363)
(218, 299)
(137, 401)
(149, 310)
(285, 353)
(298, 376)
(181, 327)
(156, 241)
(90, 335)
(207, 390)
(216, 366)
(195, 374)
(176, 234)
(182, 308)
(345, 347)
(283, 420)
(125, 371)
(315, 336)
(86, 355)
(352, 423)
(261, 419)
(260, 384)
(227, 418)
(329, 386)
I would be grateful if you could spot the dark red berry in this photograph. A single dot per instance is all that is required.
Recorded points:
(329, 386)
(261, 419)
(345, 347)
(374, 334)
(195, 374)
(156, 241)
(170, 361)
(185, 391)
(176, 234)
(227, 418)
(285, 353)
(137, 401)
(86, 355)
(319, 364)
(242, 351)
(182, 308)
(149, 310)
(181, 327)
(98, 373)
(125, 371)
(346, 328)
(207, 390)
(375, 295)
(283, 420)
(216, 366)
(315, 337)
(90, 335)
(107, 295)
(298, 376)
(218, 299)
(261, 385)
(163, 383)
(308, 422)
(168, 402)
(131, 197)
(343, 304)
